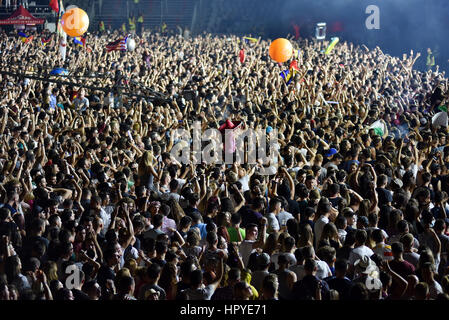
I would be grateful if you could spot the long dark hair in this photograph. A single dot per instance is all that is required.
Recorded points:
(12, 268)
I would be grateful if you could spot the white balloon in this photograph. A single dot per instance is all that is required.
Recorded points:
(131, 44)
(71, 7)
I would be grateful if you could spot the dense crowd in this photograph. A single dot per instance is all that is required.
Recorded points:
(95, 206)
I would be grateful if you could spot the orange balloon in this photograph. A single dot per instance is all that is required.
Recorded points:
(281, 50)
(75, 22)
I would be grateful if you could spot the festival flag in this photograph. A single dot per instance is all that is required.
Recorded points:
(44, 42)
(331, 45)
(59, 71)
(242, 55)
(296, 27)
(440, 119)
(296, 53)
(248, 40)
(442, 108)
(379, 128)
(288, 75)
(79, 41)
(25, 38)
(294, 65)
(54, 5)
(119, 44)
(62, 34)
(337, 26)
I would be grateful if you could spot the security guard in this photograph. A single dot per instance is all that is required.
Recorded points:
(132, 24)
(430, 59)
(124, 27)
(140, 23)
(102, 28)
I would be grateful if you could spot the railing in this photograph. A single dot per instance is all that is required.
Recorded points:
(155, 12)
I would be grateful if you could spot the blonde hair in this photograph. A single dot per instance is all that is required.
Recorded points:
(145, 162)
(124, 272)
(51, 270)
(305, 236)
(131, 265)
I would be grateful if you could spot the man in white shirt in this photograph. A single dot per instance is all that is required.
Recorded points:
(289, 244)
(81, 103)
(275, 209)
(97, 209)
(409, 254)
(360, 249)
(323, 270)
(322, 221)
(252, 241)
(172, 194)
(298, 268)
(381, 249)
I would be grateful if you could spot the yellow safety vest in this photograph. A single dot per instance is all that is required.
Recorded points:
(102, 26)
(136, 1)
(430, 60)
(164, 26)
(124, 27)
(140, 19)
(132, 24)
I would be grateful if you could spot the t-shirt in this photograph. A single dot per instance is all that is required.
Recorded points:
(257, 279)
(319, 225)
(152, 234)
(273, 223)
(342, 285)
(290, 257)
(146, 287)
(233, 237)
(358, 253)
(306, 288)
(79, 295)
(323, 270)
(81, 104)
(403, 268)
(166, 224)
(245, 183)
(384, 196)
(384, 251)
(284, 216)
(298, 269)
(435, 289)
(105, 273)
(335, 201)
(246, 248)
(192, 251)
(204, 293)
(411, 257)
(249, 216)
(226, 293)
(21, 282)
(202, 228)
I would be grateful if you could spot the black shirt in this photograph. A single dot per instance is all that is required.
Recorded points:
(305, 289)
(79, 295)
(105, 273)
(249, 216)
(341, 285)
(335, 201)
(159, 262)
(384, 196)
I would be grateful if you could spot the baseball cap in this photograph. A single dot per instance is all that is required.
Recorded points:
(331, 152)
(398, 182)
(363, 220)
(263, 259)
